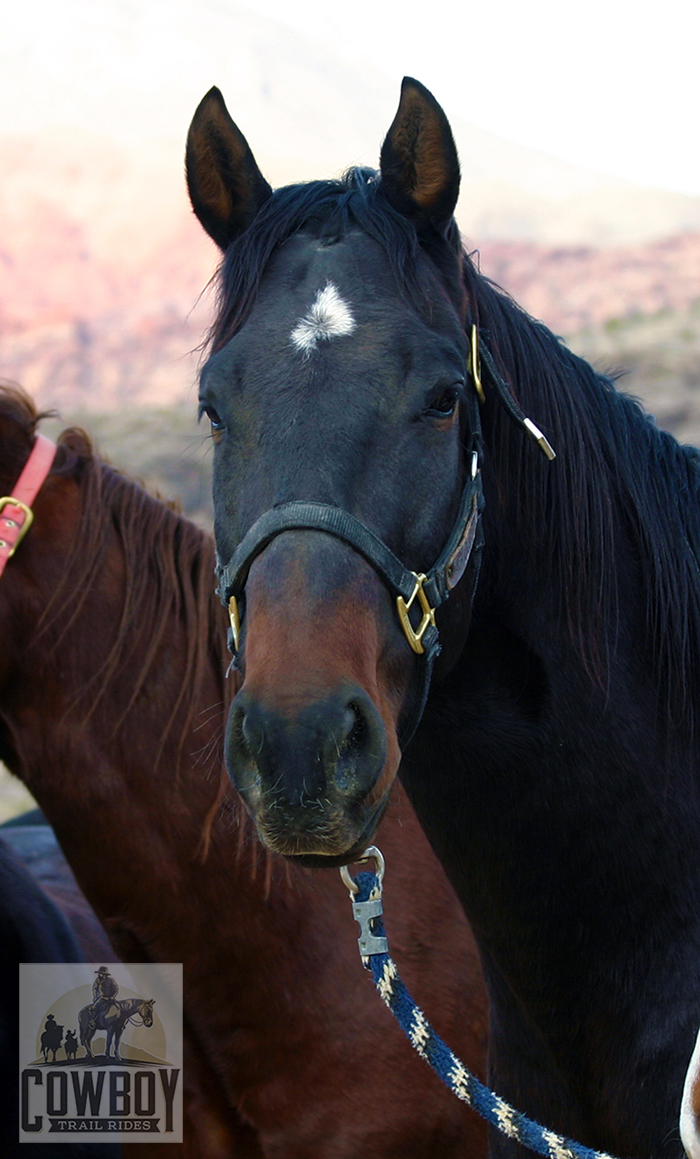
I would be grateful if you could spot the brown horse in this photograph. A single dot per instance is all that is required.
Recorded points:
(45, 917)
(113, 700)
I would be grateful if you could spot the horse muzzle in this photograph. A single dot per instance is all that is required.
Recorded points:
(311, 777)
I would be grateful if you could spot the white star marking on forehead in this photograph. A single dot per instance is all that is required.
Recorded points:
(329, 317)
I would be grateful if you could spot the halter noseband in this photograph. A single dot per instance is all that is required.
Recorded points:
(415, 592)
(16, 513)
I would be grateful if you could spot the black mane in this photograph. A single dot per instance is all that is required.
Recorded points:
(616, 476)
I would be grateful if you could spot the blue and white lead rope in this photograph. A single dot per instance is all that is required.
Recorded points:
(365, 894)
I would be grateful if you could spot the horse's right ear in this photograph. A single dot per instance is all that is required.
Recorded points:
(225, 185)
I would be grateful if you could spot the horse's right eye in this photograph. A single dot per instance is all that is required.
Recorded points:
(217, 423)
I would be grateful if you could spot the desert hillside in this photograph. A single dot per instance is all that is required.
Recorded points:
(657, 356)
(98, 319)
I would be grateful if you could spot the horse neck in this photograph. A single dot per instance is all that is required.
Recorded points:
(561, 791)
(587, 612)
(557, 714)
(90, 686)
(133, 785)
(604, 540)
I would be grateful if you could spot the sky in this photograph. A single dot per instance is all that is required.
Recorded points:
(610, 85)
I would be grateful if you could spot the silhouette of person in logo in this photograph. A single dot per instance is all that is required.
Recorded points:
(104, 991)
(51, 1038)
(71, 1044)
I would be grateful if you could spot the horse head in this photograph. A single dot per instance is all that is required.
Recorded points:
(146, 1011)
(341, 410)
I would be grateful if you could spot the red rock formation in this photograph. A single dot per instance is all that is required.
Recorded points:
(96, 325)
(572, 288)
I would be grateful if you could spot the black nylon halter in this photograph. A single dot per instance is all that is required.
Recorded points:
(422, 591)
(460, 557)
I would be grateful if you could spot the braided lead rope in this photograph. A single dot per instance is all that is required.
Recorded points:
(365, 894)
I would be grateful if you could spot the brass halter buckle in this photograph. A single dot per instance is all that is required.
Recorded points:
(474, 364)
(415, 637)
(10, 501)
(235, 618)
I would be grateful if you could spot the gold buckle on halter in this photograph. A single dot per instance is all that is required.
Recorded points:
(415, 637)
(8, 500)
(235, 619)
(474, 365)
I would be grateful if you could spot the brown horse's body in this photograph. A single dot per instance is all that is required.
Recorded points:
(109, 625)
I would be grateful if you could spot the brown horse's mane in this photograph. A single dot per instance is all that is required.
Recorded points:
(168, 574)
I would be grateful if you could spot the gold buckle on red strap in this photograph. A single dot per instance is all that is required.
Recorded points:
(10, 501)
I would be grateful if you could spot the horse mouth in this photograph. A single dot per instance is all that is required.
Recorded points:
(333, 841)
(329, 861)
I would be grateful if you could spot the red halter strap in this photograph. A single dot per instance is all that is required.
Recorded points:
(16, 510)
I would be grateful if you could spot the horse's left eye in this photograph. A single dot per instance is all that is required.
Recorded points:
(444, 404)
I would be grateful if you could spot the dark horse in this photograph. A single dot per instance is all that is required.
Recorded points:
(113, 1020)
(554, 764)
(113, 704)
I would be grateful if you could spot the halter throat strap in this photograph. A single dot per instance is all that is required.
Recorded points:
(16, 513)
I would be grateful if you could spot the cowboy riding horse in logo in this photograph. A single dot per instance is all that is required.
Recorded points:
(104, 990)
(111, 1015)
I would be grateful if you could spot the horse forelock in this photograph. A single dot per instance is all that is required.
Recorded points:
(327, 210)
(617, 476)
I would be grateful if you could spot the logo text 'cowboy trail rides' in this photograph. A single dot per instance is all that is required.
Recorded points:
(100, 1052)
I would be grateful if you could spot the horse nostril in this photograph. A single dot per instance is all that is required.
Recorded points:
(245, 738)
(362, 748)
(358, 731)
(246, 729)
(236, 730)
(249, 729)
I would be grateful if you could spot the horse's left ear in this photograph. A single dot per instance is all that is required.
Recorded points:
(226, 187)
(419, 163)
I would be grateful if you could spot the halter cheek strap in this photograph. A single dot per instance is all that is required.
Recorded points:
(16, 509)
